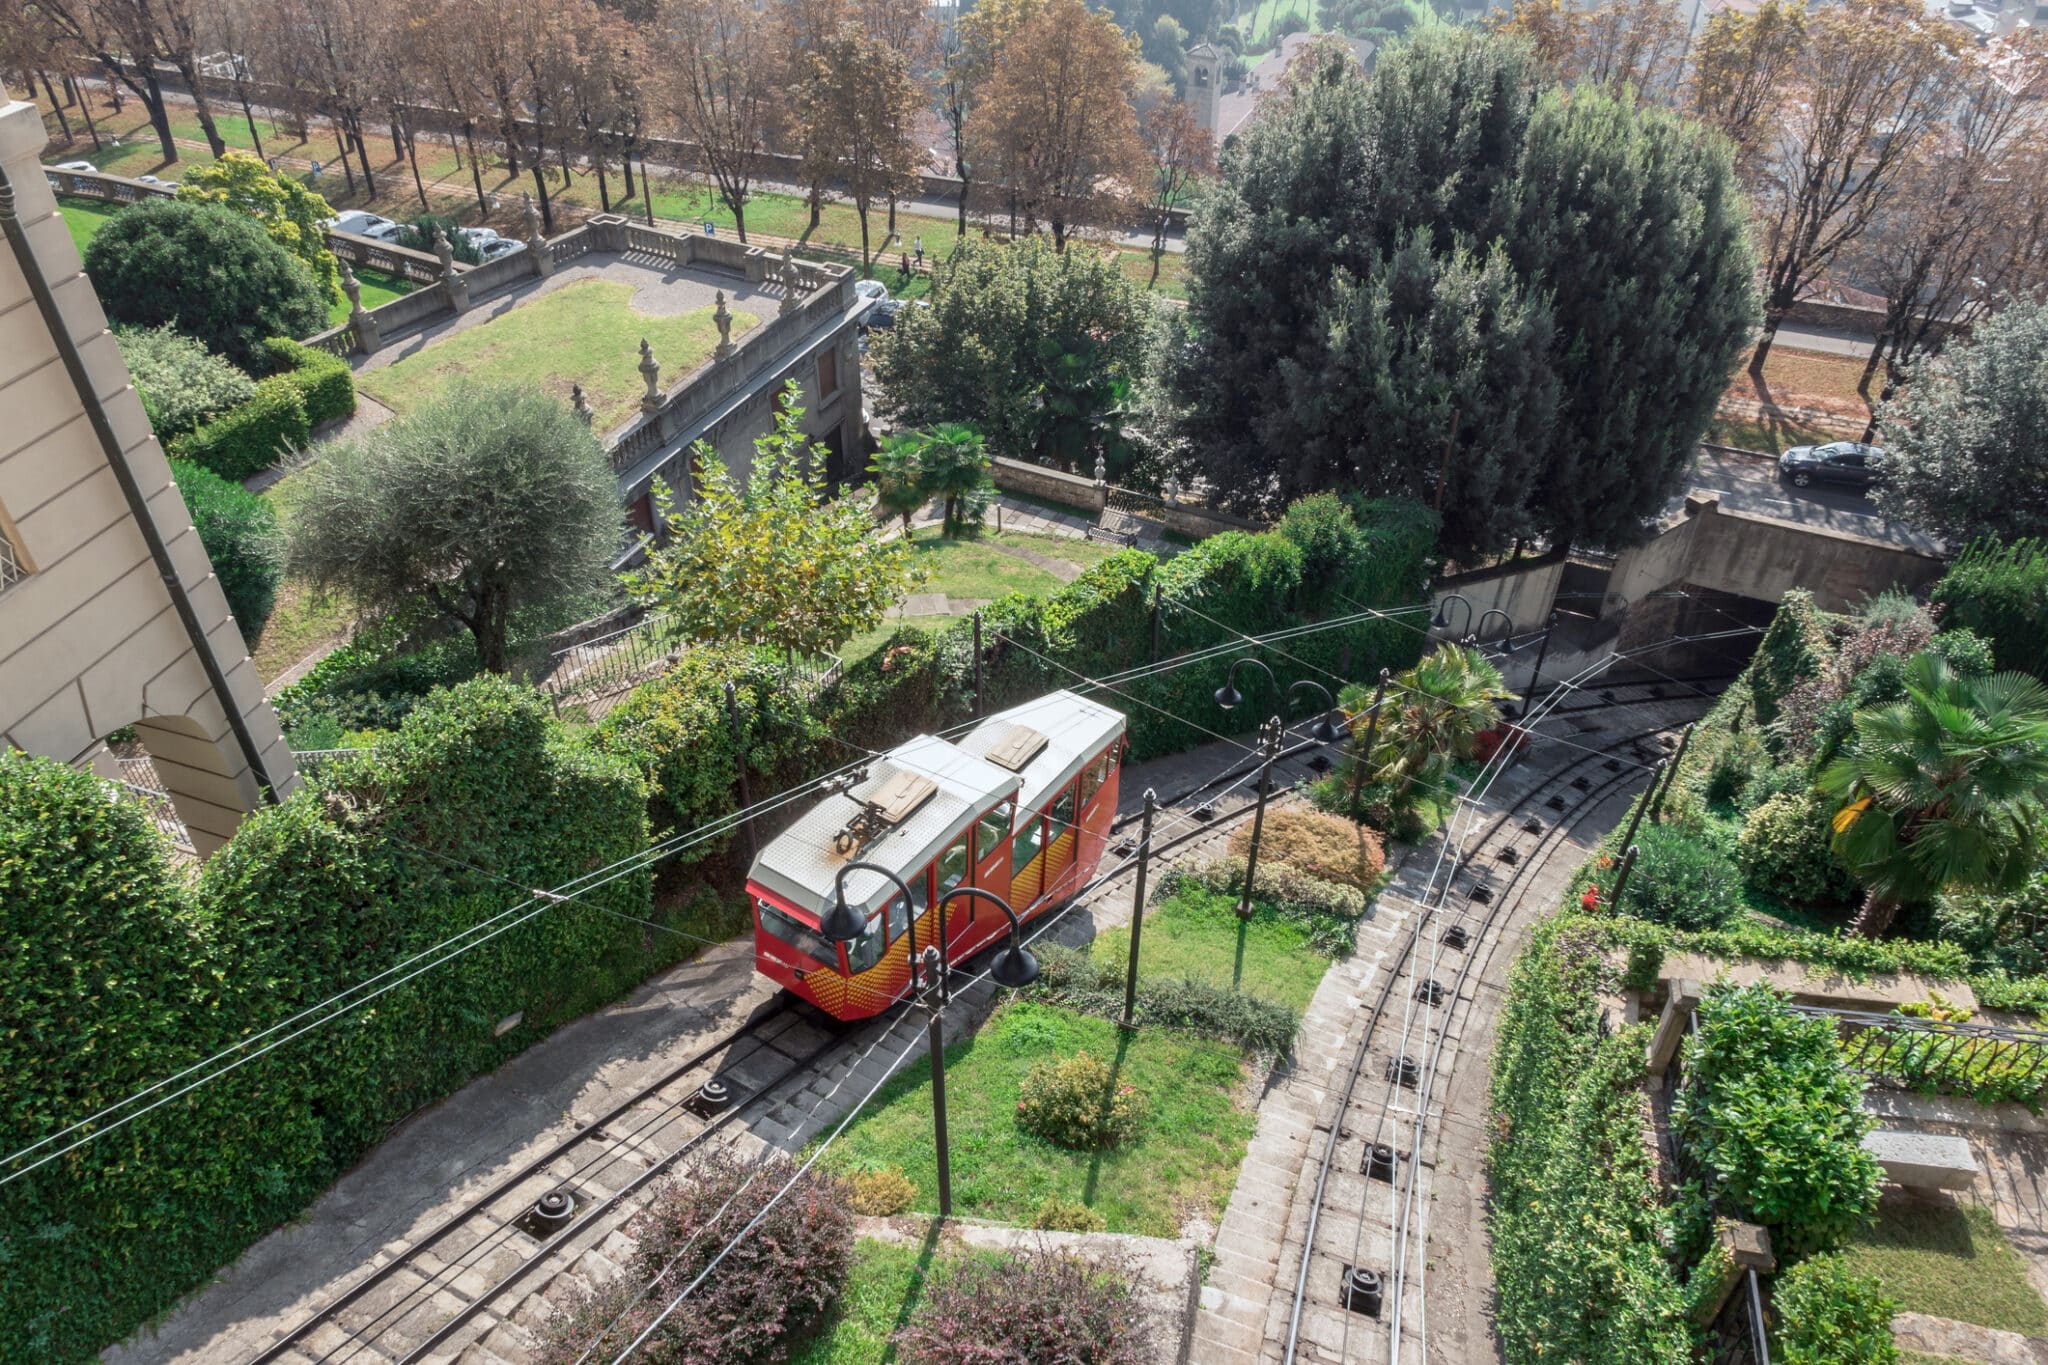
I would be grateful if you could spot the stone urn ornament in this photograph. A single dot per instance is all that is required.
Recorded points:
(650, 370)
(352, 287)
(722, 316)
(444, 253)
(581, 404)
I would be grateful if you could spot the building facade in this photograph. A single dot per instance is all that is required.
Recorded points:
(110, 614)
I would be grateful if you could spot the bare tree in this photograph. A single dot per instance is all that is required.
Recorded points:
(719, 85)
(1872, 79)
(1058, 122)
(1966, 224)
(860, 100)
(1623, 43)
(1180, 150)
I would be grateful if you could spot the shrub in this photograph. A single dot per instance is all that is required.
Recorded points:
(765, 1298)
(1326, 532)
(417, 234)
(358, 687)
(1830, 1315)
(1326, 847)
(1735, 765)
(1330, 910)
(2000, 591)
(1579, 1227)
(252, 437)
(1784, 849)
(182, 384)
(1079, 1104)
(1030, 1308)
(1076, 980)
(881, 1192)
(239, 531)
(324, 381)
(1680, 880)
(208, 271)
(1061, 1215)
(1775, 1122)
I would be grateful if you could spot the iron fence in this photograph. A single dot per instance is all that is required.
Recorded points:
(1739, 1333)
(1901, 1051)
(139, 783)
(610, 663)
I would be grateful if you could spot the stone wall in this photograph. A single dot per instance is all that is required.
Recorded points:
(1524, 589)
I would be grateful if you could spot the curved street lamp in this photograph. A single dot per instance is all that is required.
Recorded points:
(1270, 735)
(1442, 619)
(1507, 641)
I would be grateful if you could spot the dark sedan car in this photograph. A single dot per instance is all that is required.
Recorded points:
(1850, 463)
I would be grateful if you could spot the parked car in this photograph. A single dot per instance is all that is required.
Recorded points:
(160, 184)
(1850, 463)
(386, 231)
(498, 246)
(872, 294)
(74, 166)
(480, 237)
(358, 223)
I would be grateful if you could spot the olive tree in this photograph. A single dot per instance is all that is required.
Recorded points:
(488, 500)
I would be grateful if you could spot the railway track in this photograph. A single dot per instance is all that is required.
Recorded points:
(442, 1294)
(1378, 1127)
(453, 1283)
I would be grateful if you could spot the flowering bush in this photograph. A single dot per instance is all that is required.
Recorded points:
(1031, 1308)
(1488, 743)
(1079, 1104)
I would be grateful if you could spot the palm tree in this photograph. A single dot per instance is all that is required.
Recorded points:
(898, 485)
(1943, 789)
(1436, 710)
(954, 462)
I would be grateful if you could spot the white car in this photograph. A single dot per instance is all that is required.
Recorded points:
(479, 237)
(358, 223)
(160, 184)
(872, 295)
(74, 166)
(496, 247)
(386, 231)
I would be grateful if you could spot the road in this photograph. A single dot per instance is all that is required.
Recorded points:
(1824, 339)
(1747, 484)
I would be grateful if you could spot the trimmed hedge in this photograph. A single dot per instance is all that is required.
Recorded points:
(128, 974)
(1830, 1315)
(324, 381)
(239, 531)
(1579, 1233)
(252, 437)
(181, 382)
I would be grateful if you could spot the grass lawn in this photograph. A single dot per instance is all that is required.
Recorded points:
(1771, 435)
(84, 218)
(1185, 1161)
(299, 623)
(1197, 934)
(975, 568)
(1951, 1261)
(860, 646)
(587, 333)
(881, 1293)
(379, 287)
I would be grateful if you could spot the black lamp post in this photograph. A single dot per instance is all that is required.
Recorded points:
(1508, 640)
(1323, 732)
(1014, 967)
(1536, 677)
(1442, 619)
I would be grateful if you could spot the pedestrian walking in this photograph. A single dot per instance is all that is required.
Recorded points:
(903, 264)
(920, 251)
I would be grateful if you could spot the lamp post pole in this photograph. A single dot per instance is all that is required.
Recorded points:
(1269, 740)
(1372, 730)
(1138, 913)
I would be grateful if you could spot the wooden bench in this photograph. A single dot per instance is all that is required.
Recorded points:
(1922, 1161)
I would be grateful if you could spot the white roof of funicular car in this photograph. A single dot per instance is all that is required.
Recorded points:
(1051, 735)
(802, 863)
(1075, 728)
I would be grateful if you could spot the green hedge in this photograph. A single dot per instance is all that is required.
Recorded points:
(239, 531)
(1234, 584)
(128, 973)
(1578, 1232)
(2001, 593)
(324, 381)
(1827, 1314)
(252, 437)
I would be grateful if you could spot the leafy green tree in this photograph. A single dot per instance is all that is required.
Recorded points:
(212, 273)
(181, 382)
(239, 532)
(1446, 283)
(2001, 593)
(289, 212)
(1001, 318)
(489, 500)
(1433, 712)
(1631, 219)
(772, 562)
(898, 485)
(1967, 442)
(1082, 409)
(1943, 790)
(952, 464)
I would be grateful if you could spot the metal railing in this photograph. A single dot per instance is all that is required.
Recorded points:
(610, 663)
(139, 783)
(1916, 1054)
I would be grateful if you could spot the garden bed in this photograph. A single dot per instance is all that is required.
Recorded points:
(1182, 1163)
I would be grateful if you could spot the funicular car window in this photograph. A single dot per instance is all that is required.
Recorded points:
(1093, 776)
(952, 869)
(990, 829)
(1030, 838)
(865, 951)
(1063, 813)
(797, 934)
(920, 895)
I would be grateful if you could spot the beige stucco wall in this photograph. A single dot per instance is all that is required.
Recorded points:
(90, 641)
